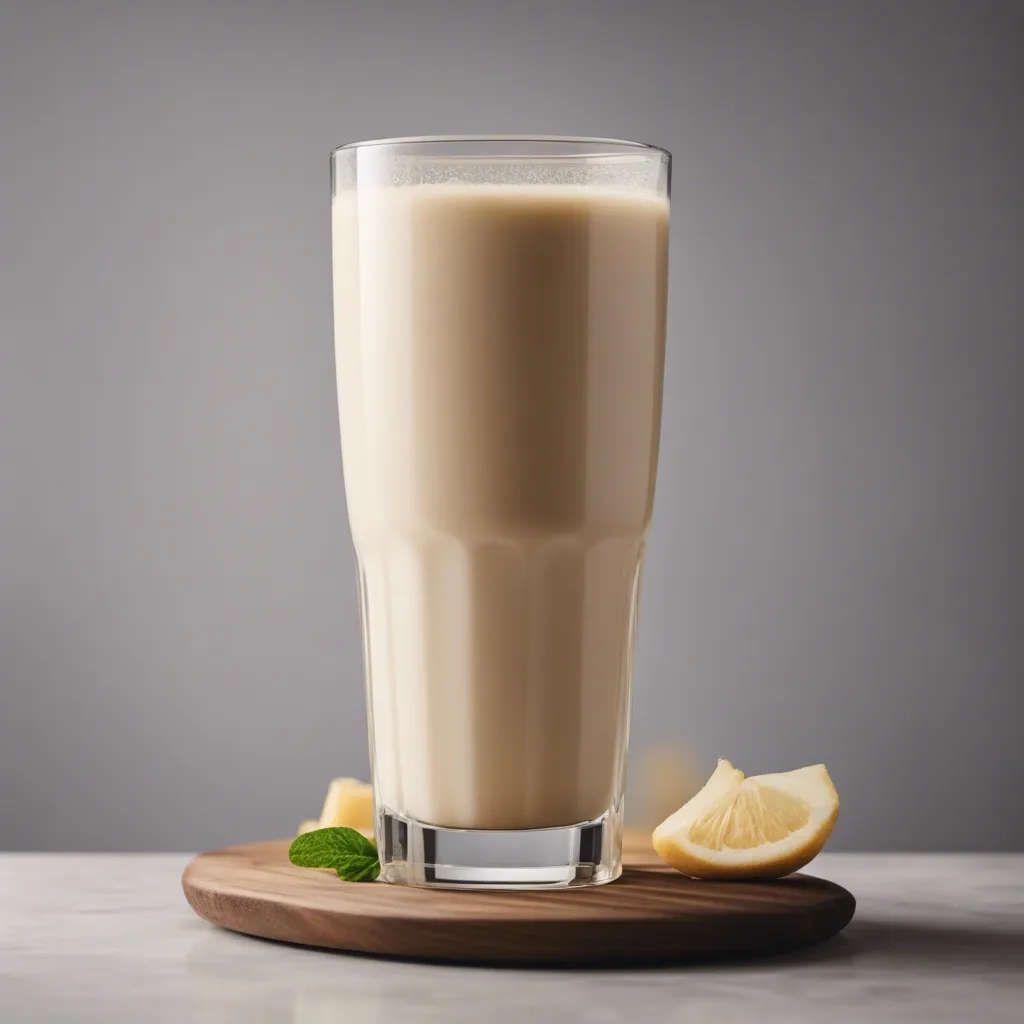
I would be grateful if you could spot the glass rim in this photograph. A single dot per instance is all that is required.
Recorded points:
(621, 145)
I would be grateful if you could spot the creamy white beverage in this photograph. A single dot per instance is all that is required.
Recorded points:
(499, 354)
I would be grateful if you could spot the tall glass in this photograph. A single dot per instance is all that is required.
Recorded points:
(500, 338)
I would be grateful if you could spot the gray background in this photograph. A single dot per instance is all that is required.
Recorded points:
(836, 565)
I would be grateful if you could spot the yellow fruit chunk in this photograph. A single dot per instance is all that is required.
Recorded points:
(762, 827)
(349, 802)
(309, 825)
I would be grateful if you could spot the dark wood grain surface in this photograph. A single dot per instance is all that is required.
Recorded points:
(650, 914)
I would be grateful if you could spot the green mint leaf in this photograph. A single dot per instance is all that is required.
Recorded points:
(359, 869)
(323, 846)
(344, 850)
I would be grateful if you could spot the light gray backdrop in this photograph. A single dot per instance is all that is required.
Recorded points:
(836, 567)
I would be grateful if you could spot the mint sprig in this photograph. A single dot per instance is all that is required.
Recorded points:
(344, 850)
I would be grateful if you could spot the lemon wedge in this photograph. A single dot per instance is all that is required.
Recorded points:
(348, 803)
(762, 827)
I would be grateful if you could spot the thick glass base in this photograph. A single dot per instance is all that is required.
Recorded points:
(412, 853)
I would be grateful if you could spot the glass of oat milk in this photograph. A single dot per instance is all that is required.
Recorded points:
(500, 337)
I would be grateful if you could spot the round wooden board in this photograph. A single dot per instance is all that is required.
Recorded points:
(650, 914)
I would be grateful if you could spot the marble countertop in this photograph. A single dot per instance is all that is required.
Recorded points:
(110, 938)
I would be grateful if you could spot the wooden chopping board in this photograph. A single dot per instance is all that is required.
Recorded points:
(650, 914)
